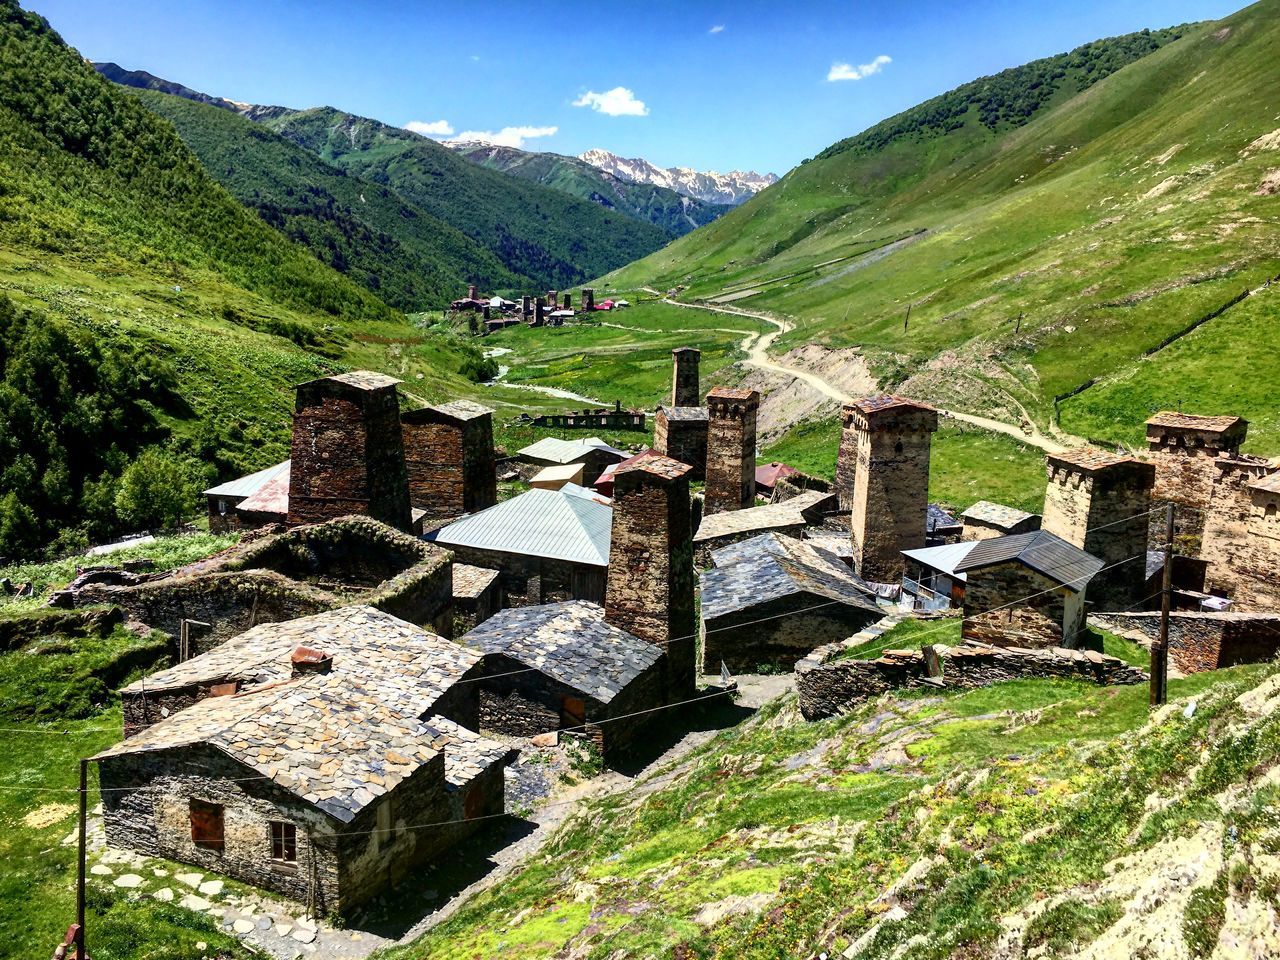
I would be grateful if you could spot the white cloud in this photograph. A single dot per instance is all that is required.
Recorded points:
(430, 128)
(847, 71)
(718, 28)
(618, 102)
(506, 137)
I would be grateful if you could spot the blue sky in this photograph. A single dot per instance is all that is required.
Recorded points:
(712, 85)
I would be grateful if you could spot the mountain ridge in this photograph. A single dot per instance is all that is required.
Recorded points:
(732, 188)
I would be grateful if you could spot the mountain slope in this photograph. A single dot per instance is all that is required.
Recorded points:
(666, 209)
(143, 305)
(1043, 238)
(409, 258)
(732, 188)
(536, 231)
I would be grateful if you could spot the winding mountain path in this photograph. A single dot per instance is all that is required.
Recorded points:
(757, 347)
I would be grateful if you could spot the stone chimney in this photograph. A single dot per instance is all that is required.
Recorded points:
(1101, 503)
(731, 449)
(448, 451)
(650, 588)
(890, 489)
(685, 391)
(588, 298)
(348, 452)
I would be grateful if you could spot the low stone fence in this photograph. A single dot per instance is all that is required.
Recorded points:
(1203, 640)
(829, 686)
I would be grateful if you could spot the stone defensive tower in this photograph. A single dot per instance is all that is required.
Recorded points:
(685, 391)
(847, 461)
(1242, 532)
(650, 588)
(348, 452)
(1183, 447)
(1101, 503)
(448, 452)
(890, 488)
(731, 449)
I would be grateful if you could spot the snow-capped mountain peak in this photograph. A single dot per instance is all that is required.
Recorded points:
(734, 187)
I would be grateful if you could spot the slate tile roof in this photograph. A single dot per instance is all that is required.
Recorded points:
(470, 582)
(466, 753)
(1269, 484)
(938, 518)
(771, 516)
(685, 413)
(569, 642)
(565, 524)
(996, 514)
(1190, 421)
(886, 401)
(364, 380)
(770, 567)
(463, 409)
(1043, 552)
(391, 659)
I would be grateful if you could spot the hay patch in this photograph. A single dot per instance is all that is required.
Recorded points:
(48, 815)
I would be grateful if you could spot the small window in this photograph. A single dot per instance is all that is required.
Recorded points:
(284, 842)
(207, 825)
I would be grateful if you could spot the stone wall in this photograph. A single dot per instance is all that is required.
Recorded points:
(731, 450)
(891, 483)
(450, 463)
(682, 439)
(1242, 535)
(846, 483)
(470, 612)
(828, 687)
(348, 454)
(1200, 641)
(528, 581)
(1101, 503)
(779, 633)
(1011, 605)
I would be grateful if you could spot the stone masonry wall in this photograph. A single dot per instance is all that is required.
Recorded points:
(528, 581)
(731, 450)
(683, 440)
(828, 687)
(1044, 614)
(1184, 458)
(450, 463)
(778, 634)
(1242, 536)
(847, 463)
(1203, 640)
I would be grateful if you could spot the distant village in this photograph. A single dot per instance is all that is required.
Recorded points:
(352, 680)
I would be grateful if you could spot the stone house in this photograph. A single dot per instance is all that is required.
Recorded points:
(791, 518)
(561, 667)
(930, 580)
(592, 452)
(224, 500)
(449, 459)
(1026, 590)
(771, 600)
(548, 545)
(325, 772)
(477, 596)
(301, 571)
(985, 520)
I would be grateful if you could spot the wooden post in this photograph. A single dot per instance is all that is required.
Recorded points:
(907, 319)
(932, 661)
(80, 870)
(1160, 652)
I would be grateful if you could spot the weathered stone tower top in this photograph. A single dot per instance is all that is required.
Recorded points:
(347, 451)
(449, 456)
(588, 298)
(650, 588)
(885, 480)
(685, 390)
(1189, 433)
(731, 449)
(1101, 503)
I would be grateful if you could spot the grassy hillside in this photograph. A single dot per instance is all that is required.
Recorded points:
(673, 213)
(145, 308)
(1047, 227)
(366, 231)
(537, 231)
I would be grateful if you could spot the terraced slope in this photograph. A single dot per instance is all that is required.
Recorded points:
(1048, 228)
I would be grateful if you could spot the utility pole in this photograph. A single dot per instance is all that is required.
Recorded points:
(1160, 652)
(84, 819)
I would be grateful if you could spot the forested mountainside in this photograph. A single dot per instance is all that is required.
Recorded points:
(153, 327)
(674, 213)
(1055, 230)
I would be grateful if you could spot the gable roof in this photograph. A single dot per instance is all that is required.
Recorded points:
(996, 514)
(1047, 554)
(787, 513)
(770, 567)
(249, 485)
(569, 642)
(567, 524)
(391, 658)
(556, 450)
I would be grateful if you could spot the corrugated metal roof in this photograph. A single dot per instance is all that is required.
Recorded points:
(568, 524)
(943, 558)
(567, 451)
(1042, 552)
(248, 486)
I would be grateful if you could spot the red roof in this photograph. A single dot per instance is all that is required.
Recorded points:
(771, 473)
